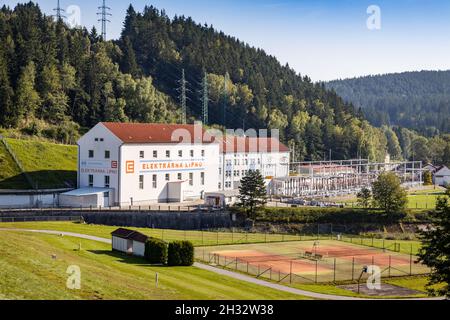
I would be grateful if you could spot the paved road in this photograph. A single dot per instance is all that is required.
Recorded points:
(227, 273)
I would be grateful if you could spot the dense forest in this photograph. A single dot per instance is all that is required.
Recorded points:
(57, 81)
(414, 100)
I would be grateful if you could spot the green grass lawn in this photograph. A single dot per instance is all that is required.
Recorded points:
(10, 175)
(198, 238)
(49, 165)
(417, 199)
(27, 271)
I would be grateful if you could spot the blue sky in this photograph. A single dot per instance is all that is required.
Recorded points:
(324, 39)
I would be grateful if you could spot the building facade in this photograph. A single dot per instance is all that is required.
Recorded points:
(142, 164)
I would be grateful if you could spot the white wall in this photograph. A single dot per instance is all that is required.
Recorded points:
(98, 166)
(138, 249)
(28, 201)
(119, 244)
(161, 165)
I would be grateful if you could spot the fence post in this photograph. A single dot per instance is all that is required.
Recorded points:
(232, 235)
(290, 273)
(265, 237)
(202, 238)
(353, 269)
(236, 264)
(334, 273)
(315, 278)
(410, 260)
(217, 237)
(389, 273)
(247, 266)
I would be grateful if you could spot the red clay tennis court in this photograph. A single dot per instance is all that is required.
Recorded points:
(309, 261)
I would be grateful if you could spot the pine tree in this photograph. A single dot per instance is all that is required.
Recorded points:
(129, 64)
(27, 98)
(252, 193)
(7, 94)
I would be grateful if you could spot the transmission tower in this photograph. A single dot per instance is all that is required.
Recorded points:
(225, 97)
(205, 98)
(183, 83)
(59, 12)
(104, 20)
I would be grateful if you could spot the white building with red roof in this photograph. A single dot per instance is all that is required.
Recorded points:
(140, 164)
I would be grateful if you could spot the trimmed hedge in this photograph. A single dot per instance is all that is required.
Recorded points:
(180, 253)
(156, 251)
(336, 215)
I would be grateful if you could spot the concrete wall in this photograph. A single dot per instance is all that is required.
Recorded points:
(18, 201)
(159, 220)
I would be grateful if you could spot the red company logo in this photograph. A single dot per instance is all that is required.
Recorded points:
(113, 164)
(129, 166)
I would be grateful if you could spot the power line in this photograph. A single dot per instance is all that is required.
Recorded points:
(104, 20)
(205, 99)
(225, 97)
(183, 98)
(59, 12)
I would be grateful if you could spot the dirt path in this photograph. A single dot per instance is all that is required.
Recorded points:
(227, 273)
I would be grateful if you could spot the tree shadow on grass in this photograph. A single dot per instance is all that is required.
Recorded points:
(44, 179)
(124, 258)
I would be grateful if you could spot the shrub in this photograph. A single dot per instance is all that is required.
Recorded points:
(181, 253)
(156, 251)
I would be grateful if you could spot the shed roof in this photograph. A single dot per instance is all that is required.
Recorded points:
(129, 235)
(86, 192)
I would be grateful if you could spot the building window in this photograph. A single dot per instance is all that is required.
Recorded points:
(96, 139)
(141, 182)
(202, 178)
(167, 153)
(91, 180)
(220, 185)
(155, 154)
(220, 171)
(141, 154)
(155, 181)
(192, 153)
(191, 179)
(180, 153)
(101, 139)
(107, 181)
(91, 153)
(107, 154)
(203, 153)
(167, 176)
(180, 176)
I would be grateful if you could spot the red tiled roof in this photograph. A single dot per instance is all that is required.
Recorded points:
(251, 144)
(155, 132)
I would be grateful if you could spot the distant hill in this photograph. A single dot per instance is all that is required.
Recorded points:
(415, 100)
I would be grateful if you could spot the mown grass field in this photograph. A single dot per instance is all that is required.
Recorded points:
(205, 238)
(417, 199)
(9, 172)
(49, 165)
(28, 271)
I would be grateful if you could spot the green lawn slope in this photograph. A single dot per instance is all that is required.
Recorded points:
(49, 165)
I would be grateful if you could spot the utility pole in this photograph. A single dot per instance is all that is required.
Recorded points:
(205, 99)
(59, 12)
(183, 98)
(104, 20)
(225, 97)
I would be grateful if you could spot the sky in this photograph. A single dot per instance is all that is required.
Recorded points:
(324, 39)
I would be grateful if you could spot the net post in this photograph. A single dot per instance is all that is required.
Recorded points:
(334, 271)
(315, 279)
(410, 260)
(389, 274)
(353, 268)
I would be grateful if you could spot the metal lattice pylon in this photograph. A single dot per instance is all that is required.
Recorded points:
(205, 99)
(59, 12)
(104, 20)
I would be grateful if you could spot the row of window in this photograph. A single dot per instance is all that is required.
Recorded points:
(227, 185)
(142, 154)
(245, 162)
(236, 173)
(180, 153)
(167, 179)
(107, 180)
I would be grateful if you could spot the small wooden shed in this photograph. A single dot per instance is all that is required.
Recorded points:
(129, 241)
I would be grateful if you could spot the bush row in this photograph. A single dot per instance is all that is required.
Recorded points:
(336, 215)
(177, 253)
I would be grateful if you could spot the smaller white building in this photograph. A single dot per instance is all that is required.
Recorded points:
(129, 241)
(87, 197)
(442, 176)
(221, 198)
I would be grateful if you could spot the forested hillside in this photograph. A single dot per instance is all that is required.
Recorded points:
(415, 100)
(57, 81)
